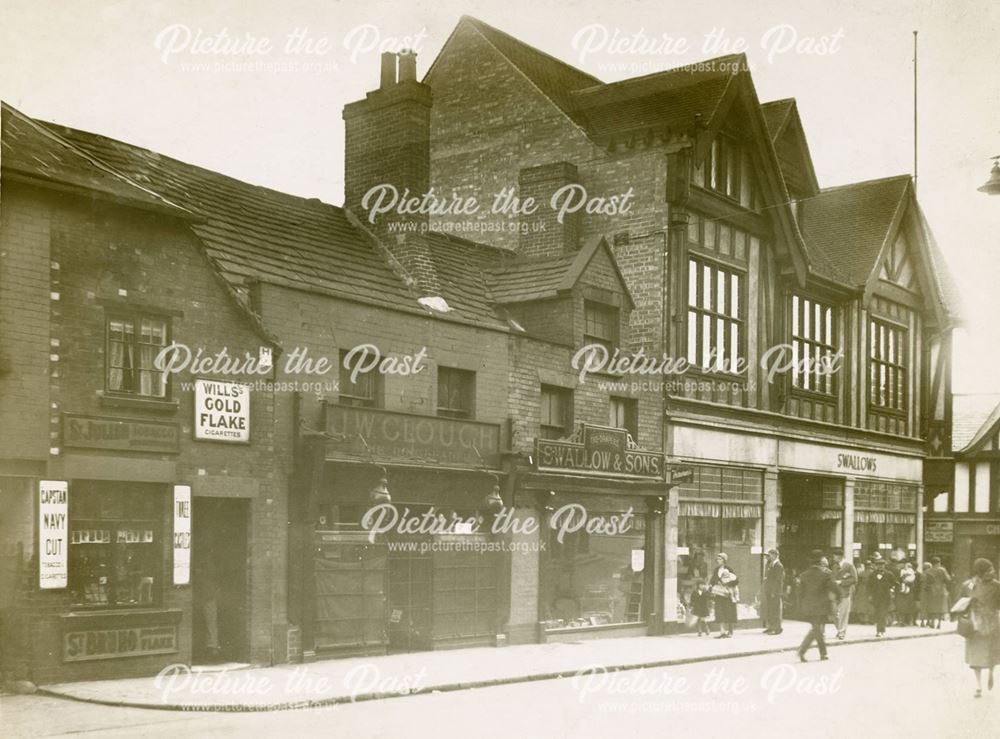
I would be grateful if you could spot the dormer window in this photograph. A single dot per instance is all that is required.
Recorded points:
(600, 325)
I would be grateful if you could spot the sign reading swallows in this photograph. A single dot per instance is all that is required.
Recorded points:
(597, 450)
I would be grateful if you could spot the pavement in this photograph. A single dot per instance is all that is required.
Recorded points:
(353, 680)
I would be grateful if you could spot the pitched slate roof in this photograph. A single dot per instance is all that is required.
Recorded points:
(845, 227)
(533, 279)
(973, 416)
(31, 151)
(521, 279)
(667, 100)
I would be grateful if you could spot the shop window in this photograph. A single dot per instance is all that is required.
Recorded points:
(133, 342)
(456, 392)
(364, 391)
(887, 365)
(714, 317)
(624, 414)
(594, 579)
(600, 325)
(116, 545)
(814, 342)
(720, 511)
(555, 412)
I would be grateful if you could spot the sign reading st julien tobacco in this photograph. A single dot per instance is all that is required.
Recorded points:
(600, 451)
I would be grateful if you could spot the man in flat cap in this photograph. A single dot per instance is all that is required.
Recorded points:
(816, 591)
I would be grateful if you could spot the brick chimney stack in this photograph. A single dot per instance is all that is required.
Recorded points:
(387, 142)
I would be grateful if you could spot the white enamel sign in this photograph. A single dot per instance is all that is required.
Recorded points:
(53, 534)
(221, 411)
(182, 534)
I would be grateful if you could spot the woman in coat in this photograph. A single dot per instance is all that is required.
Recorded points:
(724, 584)
(937, 582)
(906, 595)
(982, 649)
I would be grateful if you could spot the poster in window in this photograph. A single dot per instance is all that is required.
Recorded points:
(53, 534)
(221, 411)
(182, 534)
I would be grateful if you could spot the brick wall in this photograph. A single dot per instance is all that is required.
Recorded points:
(99, 259)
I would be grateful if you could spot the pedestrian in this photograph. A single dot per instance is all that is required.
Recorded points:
(846, 578)
(701, 607)
(774, 591)
(725, 589)
(859, 608)
(816, 589)
(906, 595)
(937, 582)
(982, 648)
(881, 583)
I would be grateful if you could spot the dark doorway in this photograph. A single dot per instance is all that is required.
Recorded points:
(811, 517)
(219, 574)
(410, 587)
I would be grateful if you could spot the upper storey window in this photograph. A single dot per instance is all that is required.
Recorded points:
(727, 170)
(814, 341)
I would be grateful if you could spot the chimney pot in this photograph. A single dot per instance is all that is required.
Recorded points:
(407, 65)
(388, 78)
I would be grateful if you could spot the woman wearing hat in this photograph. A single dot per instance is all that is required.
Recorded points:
(725, 589)
(982, 649)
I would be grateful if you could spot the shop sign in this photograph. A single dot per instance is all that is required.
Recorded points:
(53, 533)
(413, 438)
(221, 411)
(124, 434)
(80, 646)
(600, 450)
(857, 463)
(182, 534)
(939, 531)
(680, 475)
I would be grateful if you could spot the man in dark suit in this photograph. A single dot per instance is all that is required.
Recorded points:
(774, 590)
(816, 591)
(845, 574)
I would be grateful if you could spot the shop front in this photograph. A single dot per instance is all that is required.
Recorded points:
(402, 547)
(593, 568)
(753, 490)
(961, 541)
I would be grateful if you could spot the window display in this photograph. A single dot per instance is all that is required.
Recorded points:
(594, 579)
(116, 543)
(720, 511)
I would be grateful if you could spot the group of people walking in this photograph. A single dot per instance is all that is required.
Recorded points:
(828, 593)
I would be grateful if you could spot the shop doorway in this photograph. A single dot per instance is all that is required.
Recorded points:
(410, 582)
(812, 517)
(219, 575)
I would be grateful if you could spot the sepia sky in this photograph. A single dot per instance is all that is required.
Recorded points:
(160, 74)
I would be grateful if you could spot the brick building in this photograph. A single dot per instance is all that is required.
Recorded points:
(104, 458)
(730, 248)
(532, 498)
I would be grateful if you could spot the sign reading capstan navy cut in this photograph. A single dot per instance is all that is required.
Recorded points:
(600, 450)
